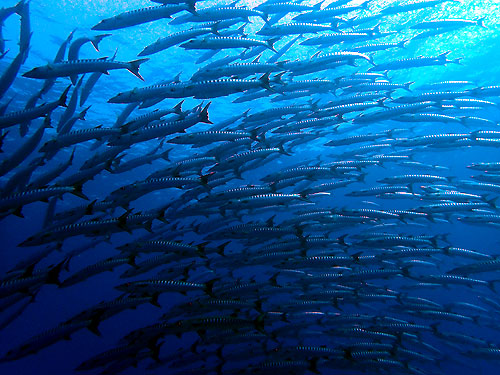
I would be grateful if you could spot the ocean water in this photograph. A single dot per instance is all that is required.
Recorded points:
(470, 310)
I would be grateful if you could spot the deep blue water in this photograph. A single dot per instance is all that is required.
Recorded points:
(52, 23)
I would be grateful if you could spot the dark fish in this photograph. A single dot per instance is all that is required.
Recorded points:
(18, 117)
(73, 68)
(139, 16)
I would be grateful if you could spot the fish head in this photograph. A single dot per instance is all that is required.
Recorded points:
(37, 72)
(123, 97)
(103, 25)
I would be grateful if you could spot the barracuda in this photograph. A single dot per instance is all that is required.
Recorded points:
(139, 16)
(208, 137)
(199, 89)
(224, 42)
(219, 13)
(15, 202)
(413, 5)
(13, 118)
(162, 286)
(75, 46)
(78, 136)
(378, 46)
(285, 7)
(162, 129)
(329, 12)
(95, 269)
(173, 39)
(74, 67)
(448, 24)
(413, 62)
(237, 70)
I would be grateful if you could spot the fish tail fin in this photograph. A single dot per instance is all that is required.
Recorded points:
(97, 39)
(264, 79)
(134, 67)
(403, 43)
(83, 113)
(64, 97)
(47, 122)
(480, 22)
(457, 61)
(364, 5)
(265, 18)
(270, 44)
(407, 86)
(164, 154)
(491, 285)
(93, 326)
(89, 210)
(215, 28)
(18, 8)
(259, 324)
(304, 196)
(282, 150)
(154, 300)
(341, 240)
(334, 26)
(258, 306)
(444, 55)
(178, 107)
(272, 185)
(221, 248)
(209, 286)
(131, 260)
(241, 30)
(360, 177)
(204, 179)
(77, 191)
(204, 114)
(254, 134)
(191, 6)
(273, 280)
(318, 5)
(277, 78)
(434, 327)
(492, 202)
(257, 59)
(53, 274)
(313, 365)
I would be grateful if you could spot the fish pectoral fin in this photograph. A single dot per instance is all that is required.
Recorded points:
(74, 79)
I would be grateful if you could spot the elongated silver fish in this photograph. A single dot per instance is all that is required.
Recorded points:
(74, 67)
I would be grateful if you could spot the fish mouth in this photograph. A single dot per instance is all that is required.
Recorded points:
(30, 74)
(99, 26)
(114, 99)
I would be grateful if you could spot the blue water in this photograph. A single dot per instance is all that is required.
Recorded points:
(51, 23)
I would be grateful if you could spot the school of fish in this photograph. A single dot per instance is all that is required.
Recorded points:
(306, 234)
